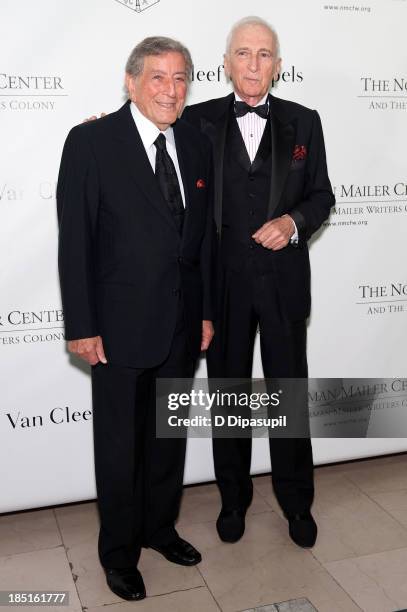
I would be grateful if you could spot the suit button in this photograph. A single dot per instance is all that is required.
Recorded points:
(176, 291)
(251, 212)
(251, 178)
(251, 195)
(180, 259)
(251, 247)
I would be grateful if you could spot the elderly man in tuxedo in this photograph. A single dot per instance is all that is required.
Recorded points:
(272, 192)
(135, 267)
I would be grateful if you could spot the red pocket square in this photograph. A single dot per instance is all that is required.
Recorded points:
(300, 152)
(200, 184)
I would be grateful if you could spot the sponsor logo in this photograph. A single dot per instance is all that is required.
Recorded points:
(31, 327)
(60, 415)
(381, 299)
(348, 8)
(356, 407)
(357, 204)
(138, 5)
(384, 94)
(28, 92)
(291, 75)
(217, 74)
(12, 192)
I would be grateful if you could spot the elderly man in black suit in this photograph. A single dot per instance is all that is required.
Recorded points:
(272, 192)
(135, 267)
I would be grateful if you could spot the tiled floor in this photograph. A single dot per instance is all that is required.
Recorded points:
(358, 563)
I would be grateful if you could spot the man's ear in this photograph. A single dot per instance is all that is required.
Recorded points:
(277, 68)
(130, 86)
(226, 65)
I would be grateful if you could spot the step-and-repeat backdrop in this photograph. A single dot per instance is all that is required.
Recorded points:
(62, 62)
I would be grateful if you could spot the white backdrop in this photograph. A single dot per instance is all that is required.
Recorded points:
(61, 62)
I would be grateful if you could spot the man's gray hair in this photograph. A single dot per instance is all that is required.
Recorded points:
(156, 45)
(253, 20)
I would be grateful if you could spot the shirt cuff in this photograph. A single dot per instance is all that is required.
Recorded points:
(294, 237)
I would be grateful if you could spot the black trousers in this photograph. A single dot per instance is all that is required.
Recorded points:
(138, 476)
(249, 300)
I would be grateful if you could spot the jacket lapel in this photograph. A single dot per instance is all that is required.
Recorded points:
(216, 129)
(282, 145)
(134, 158)
(237, 145)
(264, 148)
(185, 156)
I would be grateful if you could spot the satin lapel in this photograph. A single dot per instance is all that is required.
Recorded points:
(264, 148)
(185, 155)
(134, 158)
(282, 146)
(216, 132)
(237, 145)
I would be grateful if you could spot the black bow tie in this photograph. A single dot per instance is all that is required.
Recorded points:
(242, 108)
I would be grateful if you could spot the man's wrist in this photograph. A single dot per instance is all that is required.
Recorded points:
(294, 235)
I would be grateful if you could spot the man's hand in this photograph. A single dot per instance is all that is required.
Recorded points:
(207, 334)
(93, 118)
(275, 234)
(88, 349)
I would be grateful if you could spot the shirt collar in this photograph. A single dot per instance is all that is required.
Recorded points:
(262, 101)
(147, 130)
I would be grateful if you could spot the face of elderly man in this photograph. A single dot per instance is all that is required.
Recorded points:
(251, 62)
(159, 91)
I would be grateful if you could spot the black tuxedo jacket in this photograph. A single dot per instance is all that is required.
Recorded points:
(122, 262)
(299, 185)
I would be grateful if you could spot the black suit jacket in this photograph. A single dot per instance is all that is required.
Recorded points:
(300, 188)
(122, 261)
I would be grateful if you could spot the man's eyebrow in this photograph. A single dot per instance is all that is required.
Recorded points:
(158, 71)
(258, 50)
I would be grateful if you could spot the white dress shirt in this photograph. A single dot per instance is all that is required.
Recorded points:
(148, 134)
(252, 127)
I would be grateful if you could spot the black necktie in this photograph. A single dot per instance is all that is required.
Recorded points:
(168, 180)
(242, 108)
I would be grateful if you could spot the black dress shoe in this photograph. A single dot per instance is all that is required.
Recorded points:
(302, 529)
(179, 551)
(231, 523)
(126, 583)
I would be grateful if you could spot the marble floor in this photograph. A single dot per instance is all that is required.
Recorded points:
(358, 563)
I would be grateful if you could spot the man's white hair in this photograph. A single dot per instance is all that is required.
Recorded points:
(253, 20)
